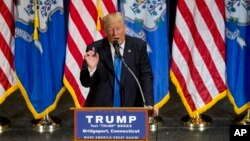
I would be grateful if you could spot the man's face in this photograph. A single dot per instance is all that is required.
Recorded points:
(116, 31)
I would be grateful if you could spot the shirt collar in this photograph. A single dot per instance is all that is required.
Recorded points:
(121, 46)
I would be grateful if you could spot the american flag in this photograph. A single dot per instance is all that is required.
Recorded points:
(198, 54)
(82, 30)
(7, 27)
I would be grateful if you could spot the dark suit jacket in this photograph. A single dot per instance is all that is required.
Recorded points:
(102, 82)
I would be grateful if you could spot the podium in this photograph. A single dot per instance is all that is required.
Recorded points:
(107, 124)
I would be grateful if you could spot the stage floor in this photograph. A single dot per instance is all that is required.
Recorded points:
(172, 129)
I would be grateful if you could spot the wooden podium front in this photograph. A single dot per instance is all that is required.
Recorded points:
(98, 123)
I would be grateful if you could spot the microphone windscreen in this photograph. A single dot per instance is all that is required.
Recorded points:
(115, 43)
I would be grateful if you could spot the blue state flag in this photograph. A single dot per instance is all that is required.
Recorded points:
(40, 47)
(149, 20)
(238, 53)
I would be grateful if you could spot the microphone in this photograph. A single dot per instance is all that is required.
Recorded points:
(117, 51)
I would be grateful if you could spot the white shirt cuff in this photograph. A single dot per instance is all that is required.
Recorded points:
(91, 72)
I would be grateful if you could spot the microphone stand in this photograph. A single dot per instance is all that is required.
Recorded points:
(152, 121)
(116, 46)
(137, 81)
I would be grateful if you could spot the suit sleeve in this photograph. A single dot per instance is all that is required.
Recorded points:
(85, 78)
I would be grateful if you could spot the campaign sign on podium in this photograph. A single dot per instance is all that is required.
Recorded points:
(111, 124)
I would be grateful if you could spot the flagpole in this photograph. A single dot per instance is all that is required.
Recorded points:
(199, 121)
(243, 119)
(4, 124)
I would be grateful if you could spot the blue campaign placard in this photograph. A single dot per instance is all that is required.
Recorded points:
(108, 124)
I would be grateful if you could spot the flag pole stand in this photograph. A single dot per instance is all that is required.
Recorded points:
(154, 121)
(46, 124)
(4, 124)
(200, 121)
(243, 119)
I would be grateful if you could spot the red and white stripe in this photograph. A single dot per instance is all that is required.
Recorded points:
(7, 27)
(81, 32)
(198, 55)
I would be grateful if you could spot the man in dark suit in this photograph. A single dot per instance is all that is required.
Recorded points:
(98, 69)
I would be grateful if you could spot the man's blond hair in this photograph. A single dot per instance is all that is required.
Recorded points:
(116, 16)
